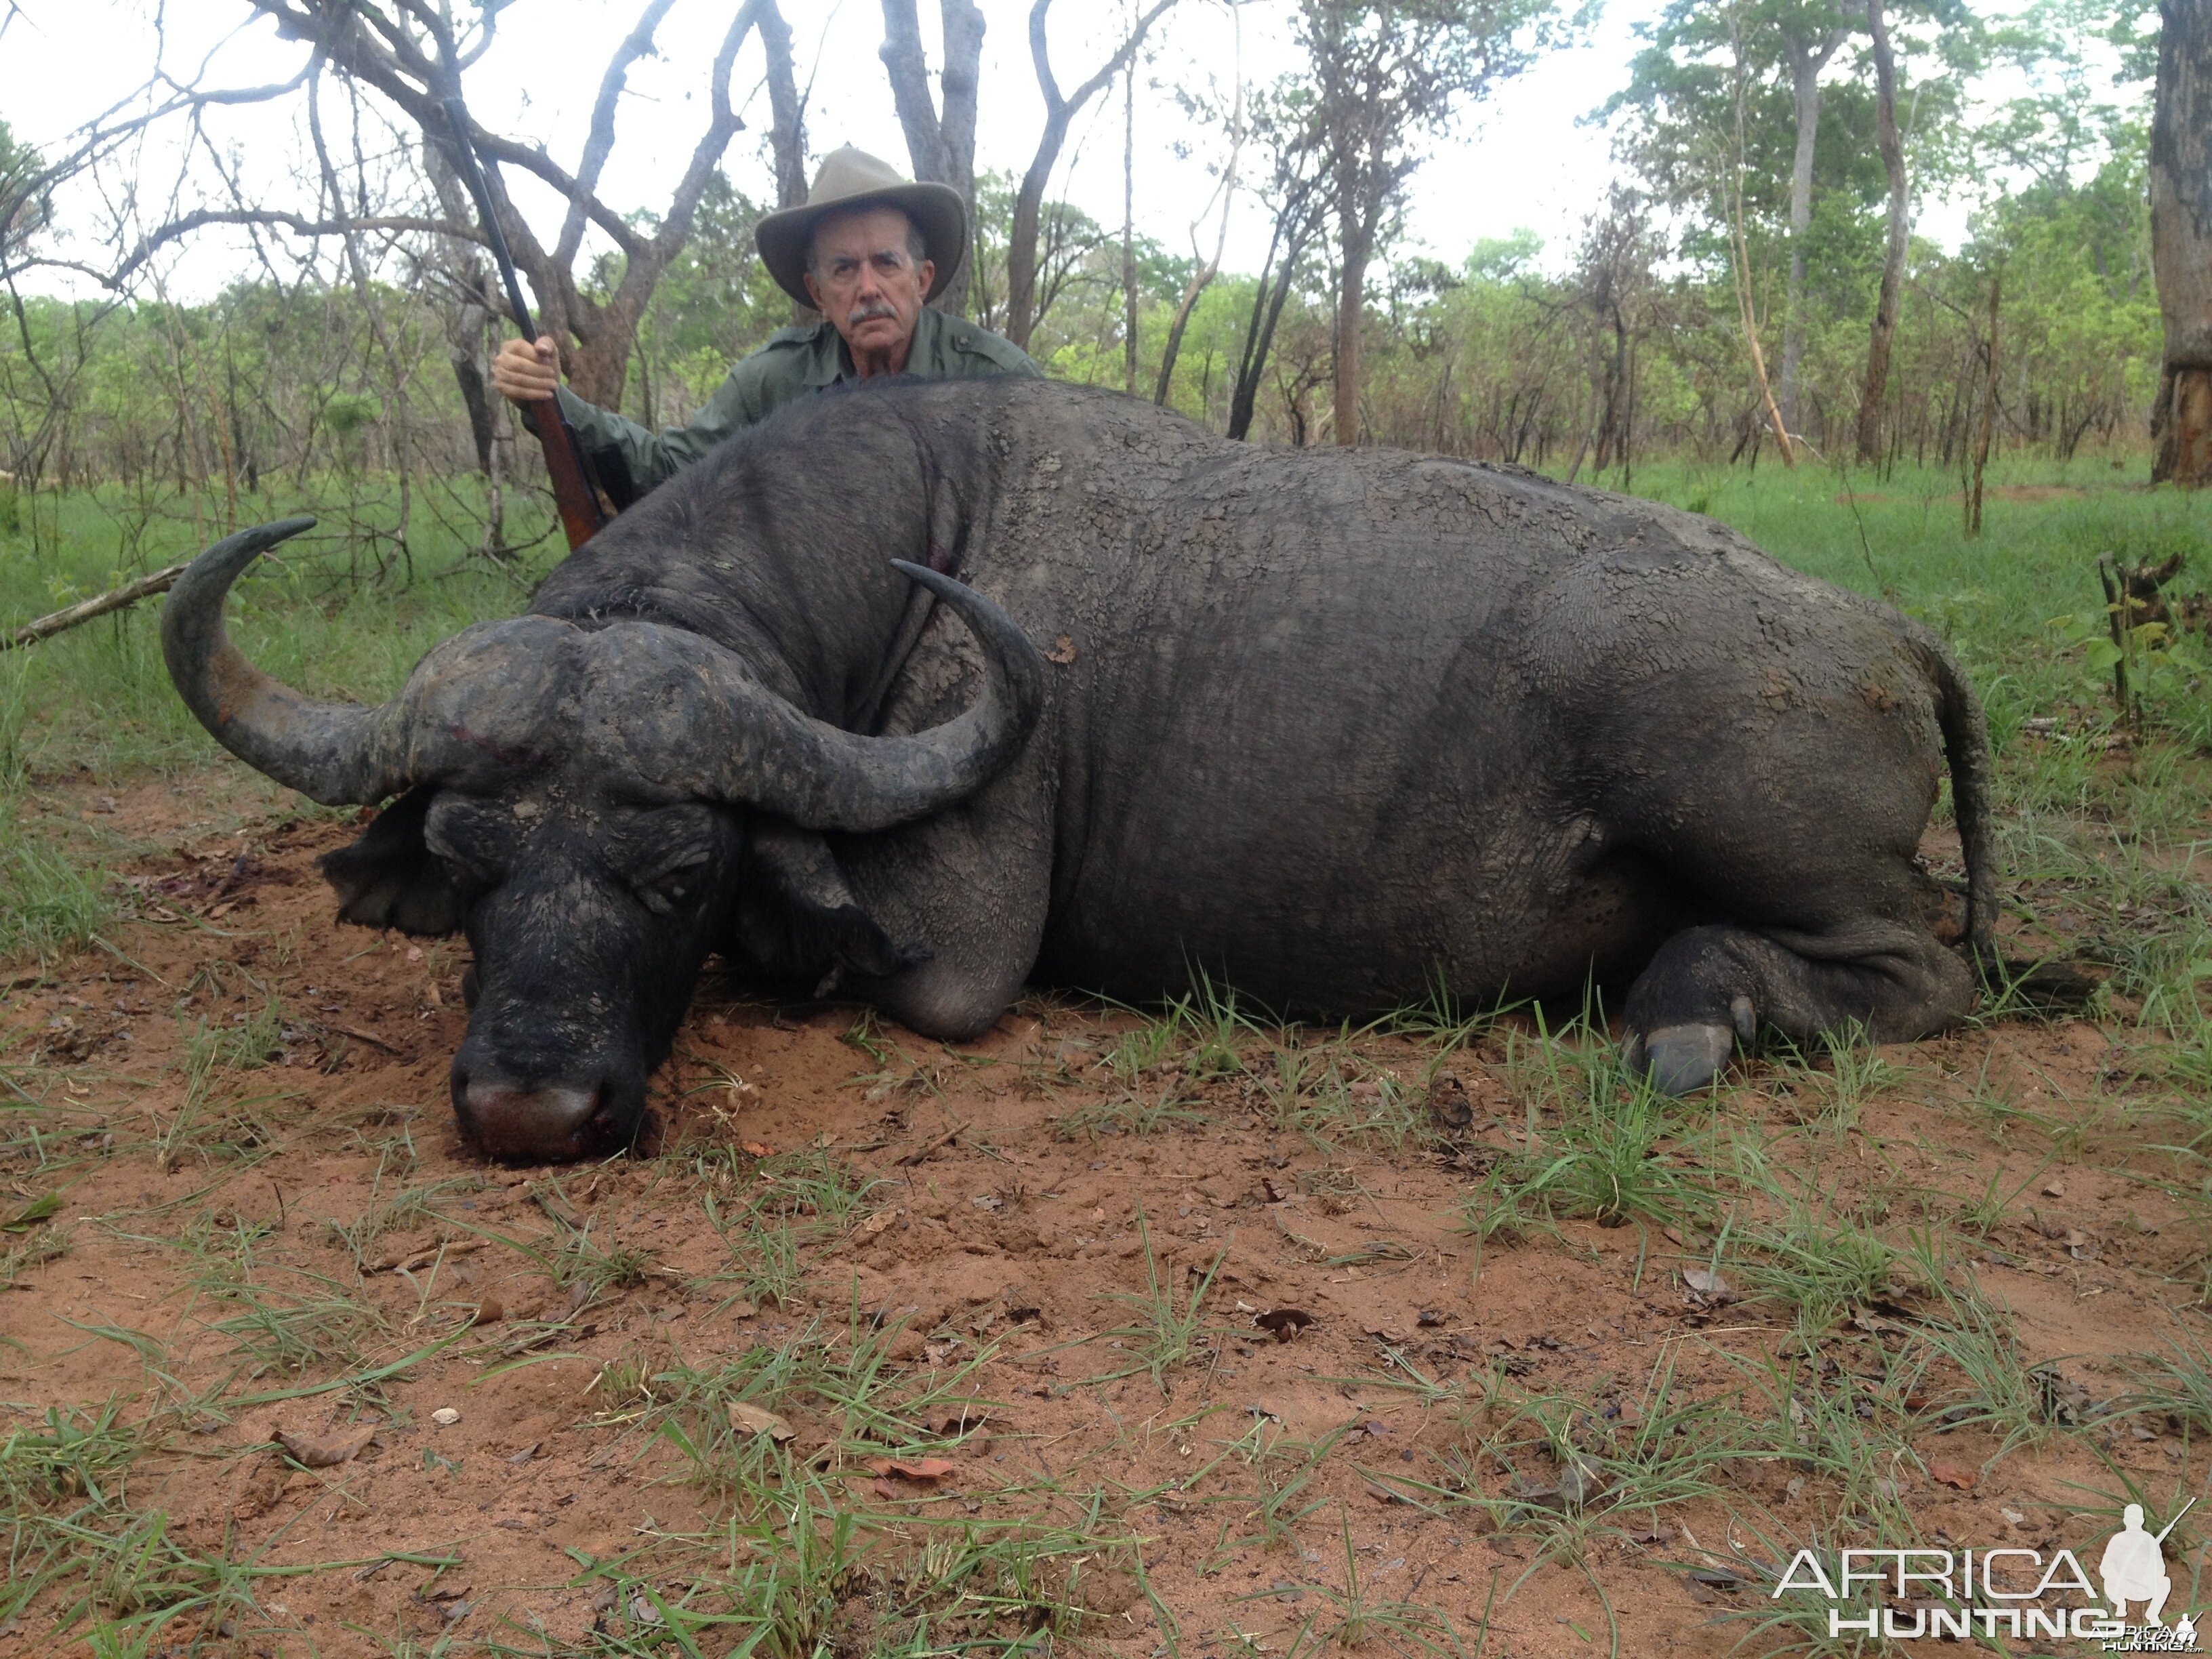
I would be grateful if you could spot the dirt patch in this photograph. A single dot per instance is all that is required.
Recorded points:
(956, 1291)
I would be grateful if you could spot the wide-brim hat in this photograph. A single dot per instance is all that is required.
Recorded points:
(849, 179)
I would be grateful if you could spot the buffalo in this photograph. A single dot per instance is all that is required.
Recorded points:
(928, 691)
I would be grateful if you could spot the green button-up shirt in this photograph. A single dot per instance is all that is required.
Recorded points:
(795, 362)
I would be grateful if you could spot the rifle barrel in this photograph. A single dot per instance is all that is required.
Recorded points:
(565, 463)
(2175, 1522)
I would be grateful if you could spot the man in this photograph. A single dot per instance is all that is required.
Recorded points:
(2134, 1568)
(868, 251)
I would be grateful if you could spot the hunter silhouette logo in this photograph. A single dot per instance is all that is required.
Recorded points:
(1961, 1593)
(2134, 1565)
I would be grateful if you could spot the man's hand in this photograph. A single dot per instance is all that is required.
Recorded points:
(524, 372)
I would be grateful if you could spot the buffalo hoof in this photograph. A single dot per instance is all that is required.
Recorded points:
(1683, 1059)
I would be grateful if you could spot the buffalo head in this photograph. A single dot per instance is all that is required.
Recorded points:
(596, 807)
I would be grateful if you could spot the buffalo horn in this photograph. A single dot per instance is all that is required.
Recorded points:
(768, 754)
(337, 753)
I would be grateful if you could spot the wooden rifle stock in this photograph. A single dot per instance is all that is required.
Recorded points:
(579, 504)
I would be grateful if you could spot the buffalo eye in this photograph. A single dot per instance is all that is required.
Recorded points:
(662, 893)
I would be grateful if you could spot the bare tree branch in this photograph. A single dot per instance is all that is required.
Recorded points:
(599, 142)
(299, 223)
(1059, 112)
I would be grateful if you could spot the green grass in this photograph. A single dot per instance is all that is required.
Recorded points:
(1167, 1328)
(1878, 1345)
(1596, 1142)
(96, 702)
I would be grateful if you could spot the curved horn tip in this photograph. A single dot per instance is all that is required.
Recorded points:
(935, 580)
(233, 553)
(220, 564)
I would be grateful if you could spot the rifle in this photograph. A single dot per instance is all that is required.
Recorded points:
(565, 463)
(2175, 1522)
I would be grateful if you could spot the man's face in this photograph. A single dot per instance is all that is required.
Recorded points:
(866, 281)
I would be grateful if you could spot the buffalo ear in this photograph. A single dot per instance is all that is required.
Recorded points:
(796, 914)
(390, 878)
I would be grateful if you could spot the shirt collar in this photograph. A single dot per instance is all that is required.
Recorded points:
(830, 361)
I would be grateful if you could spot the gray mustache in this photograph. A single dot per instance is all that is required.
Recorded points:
(861, 313)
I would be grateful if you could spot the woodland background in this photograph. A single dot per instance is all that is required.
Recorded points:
(1752, 270)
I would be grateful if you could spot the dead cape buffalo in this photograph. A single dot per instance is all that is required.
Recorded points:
(1332, 725)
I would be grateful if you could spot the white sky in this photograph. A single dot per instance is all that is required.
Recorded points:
(1524, 158)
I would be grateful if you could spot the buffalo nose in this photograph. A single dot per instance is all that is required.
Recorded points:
(533, 1125)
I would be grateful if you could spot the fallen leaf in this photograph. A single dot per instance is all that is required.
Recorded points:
(751, 1419)
(323, 1451)
(1529, 1489)
(1062, 652)
(557, 1208)
(1707, 1286)
(1448, 1104)
(968, 1417)
(914, 1468)
(1580, 1480)
(1951, 1474)
(38, 1210)
(1283, 1323)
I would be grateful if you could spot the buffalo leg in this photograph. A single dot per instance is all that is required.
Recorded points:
(1710, 988)
(969, 889)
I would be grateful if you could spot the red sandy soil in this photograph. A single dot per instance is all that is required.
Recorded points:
(1002, 1238)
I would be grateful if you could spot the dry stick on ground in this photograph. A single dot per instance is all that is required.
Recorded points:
(84, 611)
(908, 1160)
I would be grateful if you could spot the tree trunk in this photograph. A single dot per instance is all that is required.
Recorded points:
(1130, 236)
(1805, 63)
(1351, 306)
(1289, 236)
(2181, 242)
(942, 147)
(786, 133)
(1988, 408)
(1022, 237)
(1197, 286)
(1884, 333)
